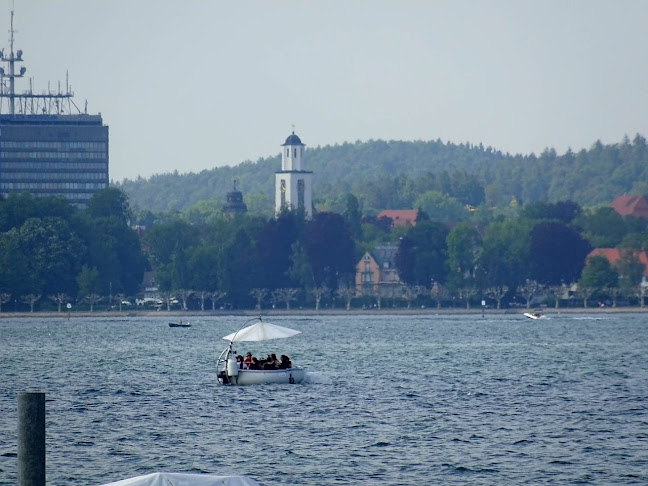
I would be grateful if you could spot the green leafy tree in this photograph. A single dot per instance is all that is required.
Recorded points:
(557, 253)
(53, 254)
(88, 282)
(504, 260)
(13, 265)
(441, 207)
(329, 261)
(110, 202)
(464, 245)
(164, 238)
(422, 254)
(629, 269)
(239, 269)
(114, 249)
(603, 227)
(300, 270)
(353, 216)
(203, 263)
(274, 248)
(565, 211)
(17, 208)
(170, 245)
(598, 274)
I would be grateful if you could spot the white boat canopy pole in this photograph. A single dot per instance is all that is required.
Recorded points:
(261, 331)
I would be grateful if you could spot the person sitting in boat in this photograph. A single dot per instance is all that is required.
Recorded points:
(275, 361)
(269, 363)
(247, 360)
(285, 362)
(239, 361)
(254, 364)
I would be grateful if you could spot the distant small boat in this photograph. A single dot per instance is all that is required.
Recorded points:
(179, 324)
(534, 315)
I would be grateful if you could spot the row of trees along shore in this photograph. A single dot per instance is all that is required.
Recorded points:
(52, 254)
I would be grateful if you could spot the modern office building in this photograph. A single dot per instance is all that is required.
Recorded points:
(47, 146)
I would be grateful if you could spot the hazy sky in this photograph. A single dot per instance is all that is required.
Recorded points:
(190, 85)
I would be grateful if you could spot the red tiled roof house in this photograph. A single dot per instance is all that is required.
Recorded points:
(631, 206)
(613, 255)
(400, 217)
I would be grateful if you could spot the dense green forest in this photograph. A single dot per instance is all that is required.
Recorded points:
(492, 226)
(441, 178)
(52, 253)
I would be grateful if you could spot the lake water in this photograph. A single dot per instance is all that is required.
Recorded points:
(391, 400)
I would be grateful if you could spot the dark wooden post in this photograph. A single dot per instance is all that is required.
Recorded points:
(31, 439)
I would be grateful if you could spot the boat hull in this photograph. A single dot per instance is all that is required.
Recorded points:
(261, 377)
(531, 315)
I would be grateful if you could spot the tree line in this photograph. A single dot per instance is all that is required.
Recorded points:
(52, 254)
(455, 182)
(51, 251)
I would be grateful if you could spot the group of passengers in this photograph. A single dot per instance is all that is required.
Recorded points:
(269, 363)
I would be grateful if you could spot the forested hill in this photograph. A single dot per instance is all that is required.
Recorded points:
(394, 174)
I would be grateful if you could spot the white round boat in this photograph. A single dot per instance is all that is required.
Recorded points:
(228, 370)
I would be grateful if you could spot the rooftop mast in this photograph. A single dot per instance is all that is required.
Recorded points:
(29, 103)
(13, 58)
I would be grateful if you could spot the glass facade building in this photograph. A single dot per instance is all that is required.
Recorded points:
(54, 155)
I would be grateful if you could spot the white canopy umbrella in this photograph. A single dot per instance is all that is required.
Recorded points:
(183, 479)
(261, 331)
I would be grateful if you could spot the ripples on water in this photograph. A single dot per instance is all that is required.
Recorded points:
(393, 400)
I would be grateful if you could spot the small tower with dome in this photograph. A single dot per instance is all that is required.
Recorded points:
(234, 202)
(293, 184)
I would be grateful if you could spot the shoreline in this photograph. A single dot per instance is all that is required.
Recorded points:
(176, 314)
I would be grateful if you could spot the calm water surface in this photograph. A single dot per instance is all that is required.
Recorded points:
(393, 400)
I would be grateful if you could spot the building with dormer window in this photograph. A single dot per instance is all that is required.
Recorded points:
(376, 271)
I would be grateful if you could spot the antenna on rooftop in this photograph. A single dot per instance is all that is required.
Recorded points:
(13, 58)
(29, 103)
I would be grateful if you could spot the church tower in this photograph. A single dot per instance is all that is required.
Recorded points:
(293, 184)
(234, 202)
